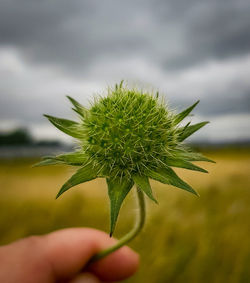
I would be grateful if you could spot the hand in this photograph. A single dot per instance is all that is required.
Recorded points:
(62, 256)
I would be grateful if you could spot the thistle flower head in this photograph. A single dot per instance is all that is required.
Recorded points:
(127, 137)
(128, 132)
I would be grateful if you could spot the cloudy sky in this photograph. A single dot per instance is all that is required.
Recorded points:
(187, 50)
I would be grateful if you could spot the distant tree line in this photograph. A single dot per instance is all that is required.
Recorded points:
(22, 136)
(16, 137)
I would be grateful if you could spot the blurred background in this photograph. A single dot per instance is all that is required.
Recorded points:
(186, 50)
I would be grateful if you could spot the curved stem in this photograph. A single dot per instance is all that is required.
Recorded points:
(131, 235)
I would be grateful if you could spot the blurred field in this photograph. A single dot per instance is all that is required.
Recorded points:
(186, 239)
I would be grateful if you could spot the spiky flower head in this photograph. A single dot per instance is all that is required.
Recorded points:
(127, 137)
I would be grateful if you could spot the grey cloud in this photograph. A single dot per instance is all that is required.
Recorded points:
(211, 107)
(219, 106)
(223, 28)
(176, 34)
(68, 34)
(239, 103)
(98, 41)
(211, 30)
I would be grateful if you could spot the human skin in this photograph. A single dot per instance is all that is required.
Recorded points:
(62, 256)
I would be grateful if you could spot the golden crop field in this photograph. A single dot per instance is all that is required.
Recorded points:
(186, 239)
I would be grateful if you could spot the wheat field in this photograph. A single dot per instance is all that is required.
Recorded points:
(186, 239)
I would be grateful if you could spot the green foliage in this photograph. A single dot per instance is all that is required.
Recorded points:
(189, 130)
(129, 136)
(118, 188)
(78, 108)
(142, 182)
(69, 127)
(181, 163)
(74, 159)
(82, 175)
(167, 175)
(185, 113)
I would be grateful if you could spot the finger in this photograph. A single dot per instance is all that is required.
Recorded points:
(69, 250)
(117, 266)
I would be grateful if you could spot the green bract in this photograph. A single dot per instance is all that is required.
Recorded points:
(127, 137)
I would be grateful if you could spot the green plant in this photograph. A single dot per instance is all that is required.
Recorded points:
(127, 137)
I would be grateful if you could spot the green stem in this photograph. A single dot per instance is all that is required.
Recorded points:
(131, 235)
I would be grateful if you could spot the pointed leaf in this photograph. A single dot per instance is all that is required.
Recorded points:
(121, 83)
(74, 158)
(190, 130)
(69, 127)
(183, 129)
(80, 109)
(194, 156)
(118, 188)
(47, 161)
(184, 164)
(179, 117)
(75, 103)
(78, 112)
(143, 183)
(82, 175)
(188, 155)
(168, 176)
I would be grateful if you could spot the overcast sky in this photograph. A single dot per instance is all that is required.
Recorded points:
(187, 50)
